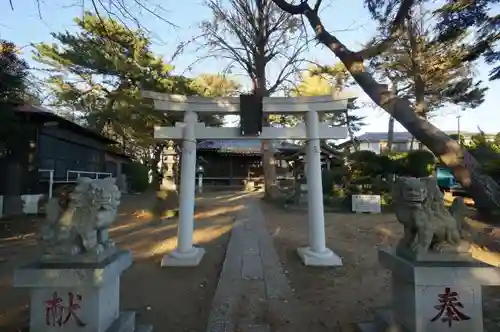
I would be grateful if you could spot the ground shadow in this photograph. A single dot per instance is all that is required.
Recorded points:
(167, 298)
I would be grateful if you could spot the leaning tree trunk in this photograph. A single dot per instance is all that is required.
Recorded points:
(484, 190)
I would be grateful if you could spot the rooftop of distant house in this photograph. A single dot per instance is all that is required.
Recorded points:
(403, 136)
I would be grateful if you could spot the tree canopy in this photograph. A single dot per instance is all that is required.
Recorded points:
(101, 70)
(330, 80)
(13, 75)
(15, 89)
(456, 18)
(429, 74)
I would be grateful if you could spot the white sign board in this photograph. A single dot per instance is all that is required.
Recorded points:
(366, 203)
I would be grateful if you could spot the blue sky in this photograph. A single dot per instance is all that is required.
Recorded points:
(24, 26)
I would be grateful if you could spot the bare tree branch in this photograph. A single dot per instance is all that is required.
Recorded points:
(317, 5)
(395, 30)
(120, 10)
(252, 34)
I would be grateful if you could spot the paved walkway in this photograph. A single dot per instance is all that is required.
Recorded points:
(253, 294)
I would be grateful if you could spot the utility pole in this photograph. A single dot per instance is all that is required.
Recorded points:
(458, 130)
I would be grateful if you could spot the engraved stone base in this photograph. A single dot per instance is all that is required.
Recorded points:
(86, 258)
(175, 258)
(311, 258)
(385, 322)
(76, 296)
(434, 296)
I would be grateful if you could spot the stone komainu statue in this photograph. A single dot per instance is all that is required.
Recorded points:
(79, 225)
(428, 225)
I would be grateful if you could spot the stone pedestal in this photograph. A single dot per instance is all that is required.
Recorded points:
(433, 296)
(82, 297)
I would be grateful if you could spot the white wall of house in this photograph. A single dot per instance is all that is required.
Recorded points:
(404, 146)
(397, 146)
(370, 146)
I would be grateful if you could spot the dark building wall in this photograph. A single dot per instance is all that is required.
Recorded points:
(18, 162)
(61, 149)
(62, 146)
(223, 168)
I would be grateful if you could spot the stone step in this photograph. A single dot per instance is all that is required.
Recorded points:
(384, 321)
(366, 327)
(124, 323)
(144, 328)
(258, 328)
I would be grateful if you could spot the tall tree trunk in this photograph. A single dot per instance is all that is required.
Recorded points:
(484, 190)
(390, 135)
(268, 158)
(260, 89)
(354, 144)
(390, 131)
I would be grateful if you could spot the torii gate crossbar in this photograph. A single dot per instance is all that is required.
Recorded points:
(316, 254)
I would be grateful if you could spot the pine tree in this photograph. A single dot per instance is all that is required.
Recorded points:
(458, 18)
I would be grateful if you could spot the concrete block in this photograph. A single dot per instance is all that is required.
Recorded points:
(311, 258)
(144, 328)
(30, 203)
(175, 258)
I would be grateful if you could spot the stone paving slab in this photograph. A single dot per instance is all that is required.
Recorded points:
(253, 294)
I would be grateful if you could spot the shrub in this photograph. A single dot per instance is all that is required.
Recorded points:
(365, 163)
(327, 178)
(137, 176)
(419, 163)
(330, 177)
(492, 168)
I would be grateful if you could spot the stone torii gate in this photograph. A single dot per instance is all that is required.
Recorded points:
(316, 254)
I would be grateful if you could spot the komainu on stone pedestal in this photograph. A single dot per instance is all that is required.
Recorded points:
(76, 229)
(431, 231)
(436, 284)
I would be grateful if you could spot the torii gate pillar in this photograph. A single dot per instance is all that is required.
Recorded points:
(186, 254)
(317, 254)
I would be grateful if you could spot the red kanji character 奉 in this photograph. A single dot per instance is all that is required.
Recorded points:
(448, 311)
(73, 306)
(54, 310)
